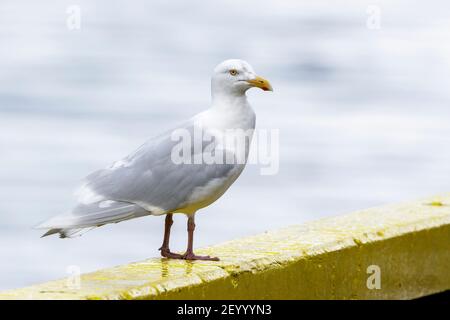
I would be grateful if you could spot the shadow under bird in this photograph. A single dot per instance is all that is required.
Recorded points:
(150, 182)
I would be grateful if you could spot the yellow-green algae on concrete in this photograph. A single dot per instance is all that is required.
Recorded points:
(324, 259)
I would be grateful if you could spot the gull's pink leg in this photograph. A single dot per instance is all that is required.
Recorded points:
(189, 255)
(165, 251)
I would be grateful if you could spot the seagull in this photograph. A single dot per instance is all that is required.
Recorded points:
(169, 175)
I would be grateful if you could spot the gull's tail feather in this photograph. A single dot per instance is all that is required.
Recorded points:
(68, 233)
(50, 232)
(87, 217)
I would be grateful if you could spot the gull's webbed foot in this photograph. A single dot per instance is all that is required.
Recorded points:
(192, 256)
(165, 252)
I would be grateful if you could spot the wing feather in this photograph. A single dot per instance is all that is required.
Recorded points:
(145, 182)
(150, 178)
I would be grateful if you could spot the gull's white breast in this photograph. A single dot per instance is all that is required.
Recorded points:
(224, 125)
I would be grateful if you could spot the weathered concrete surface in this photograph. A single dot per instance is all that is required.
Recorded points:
(324, 259)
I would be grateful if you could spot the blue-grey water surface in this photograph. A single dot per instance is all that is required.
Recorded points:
(363, 113)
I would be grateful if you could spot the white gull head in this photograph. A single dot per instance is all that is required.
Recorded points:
(234, 77)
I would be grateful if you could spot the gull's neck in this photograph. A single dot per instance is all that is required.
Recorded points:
(230, 102)
(229, 111)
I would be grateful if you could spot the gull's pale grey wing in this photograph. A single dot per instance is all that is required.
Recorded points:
(94, 214)
(152, 180)
(146, 182)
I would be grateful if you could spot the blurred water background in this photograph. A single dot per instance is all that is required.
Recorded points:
(363, 113)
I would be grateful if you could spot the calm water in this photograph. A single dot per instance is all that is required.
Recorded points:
(363, 114)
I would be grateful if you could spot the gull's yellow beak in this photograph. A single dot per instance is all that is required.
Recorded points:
(262, 83)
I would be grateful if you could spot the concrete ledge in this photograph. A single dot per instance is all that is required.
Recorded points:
(406, 247)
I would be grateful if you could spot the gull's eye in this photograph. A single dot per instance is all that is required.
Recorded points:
(233, 72)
